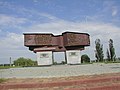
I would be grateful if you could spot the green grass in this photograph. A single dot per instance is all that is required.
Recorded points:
(7, 67)
(4, 67)
(2, 80)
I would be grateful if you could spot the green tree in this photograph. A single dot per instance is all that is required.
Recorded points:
(118, 58)
(112, 50)
(85, 58)
(108, 55)
(24, 62)
(99, 50)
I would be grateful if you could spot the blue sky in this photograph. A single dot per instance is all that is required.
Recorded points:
(99, 18)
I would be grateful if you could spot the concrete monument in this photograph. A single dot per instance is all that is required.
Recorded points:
(45, 43)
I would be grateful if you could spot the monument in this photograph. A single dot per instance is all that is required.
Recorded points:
(44, 44)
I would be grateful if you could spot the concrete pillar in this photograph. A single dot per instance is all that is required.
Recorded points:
(44, 58)
(73, 57)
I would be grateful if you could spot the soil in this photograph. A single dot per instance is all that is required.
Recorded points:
(110, 81)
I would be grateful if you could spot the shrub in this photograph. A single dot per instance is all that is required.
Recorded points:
(85, 58)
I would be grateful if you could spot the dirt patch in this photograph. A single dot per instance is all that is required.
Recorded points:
(95, 82)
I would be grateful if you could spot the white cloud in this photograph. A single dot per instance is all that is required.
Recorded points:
(12, 46)
(10, 20)
(11, 41)
(59, 26)
(48, 16)
(26, 12)
(109, 12)
(114, 11)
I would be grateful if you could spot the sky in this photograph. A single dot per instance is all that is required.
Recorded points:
(99, 18)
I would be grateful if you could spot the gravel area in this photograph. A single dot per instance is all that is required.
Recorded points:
(60, 70)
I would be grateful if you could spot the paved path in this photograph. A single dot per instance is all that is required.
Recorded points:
(60, 71)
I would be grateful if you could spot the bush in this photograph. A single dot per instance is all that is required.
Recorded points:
(85, 58)
(63, 62)
(55, 63)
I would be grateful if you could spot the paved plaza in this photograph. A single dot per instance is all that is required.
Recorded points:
(60, 70)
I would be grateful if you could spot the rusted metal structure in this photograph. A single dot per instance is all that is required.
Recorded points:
(42, 42)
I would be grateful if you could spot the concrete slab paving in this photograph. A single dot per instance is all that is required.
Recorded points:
(60, 70)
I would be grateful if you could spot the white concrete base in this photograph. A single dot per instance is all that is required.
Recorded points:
(44, 58)
(73, 57)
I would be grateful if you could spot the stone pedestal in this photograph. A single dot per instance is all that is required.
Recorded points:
(44, 58)
(73, 57)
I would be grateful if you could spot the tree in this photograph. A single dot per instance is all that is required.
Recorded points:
(99, 50)
(112, 50)
(118, 58)
(108, 55)
(24, 62)
(85, 58)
